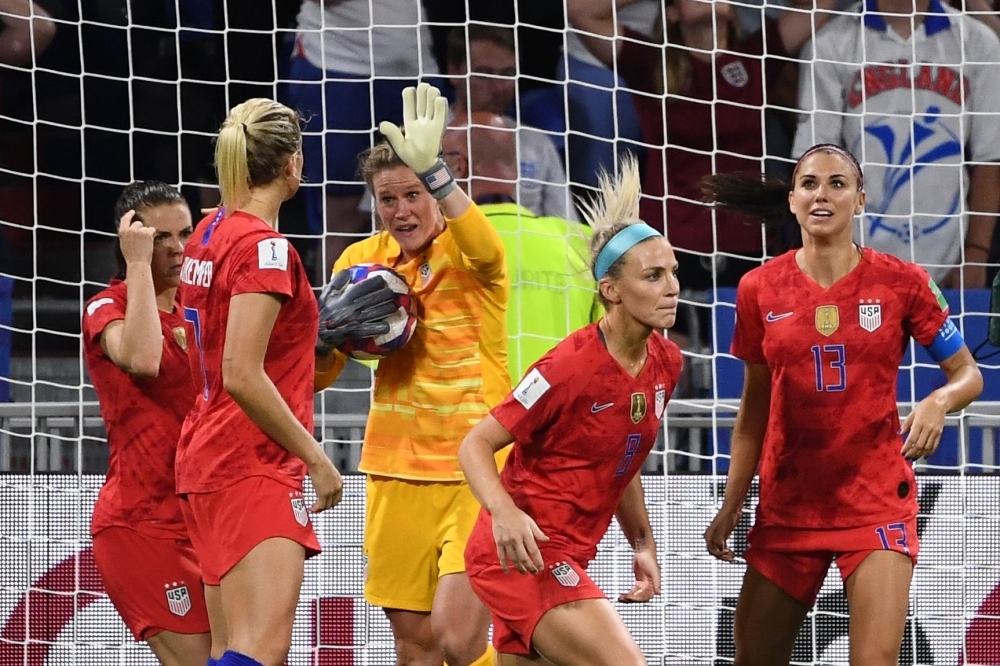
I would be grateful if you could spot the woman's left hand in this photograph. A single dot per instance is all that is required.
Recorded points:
(647, 578)
(923, 427)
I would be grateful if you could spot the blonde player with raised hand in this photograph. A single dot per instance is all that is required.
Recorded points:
(419, 510)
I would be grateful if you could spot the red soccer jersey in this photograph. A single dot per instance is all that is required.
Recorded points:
(143, 419)
(225, 257)
(831, 456)
(582, 428)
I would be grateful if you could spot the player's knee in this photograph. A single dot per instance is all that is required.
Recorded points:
(410, 652)
(461, 643)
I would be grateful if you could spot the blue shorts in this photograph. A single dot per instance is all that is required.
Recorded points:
(354, 106)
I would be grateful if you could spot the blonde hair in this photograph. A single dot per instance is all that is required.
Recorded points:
(615, 208)
(253, 147)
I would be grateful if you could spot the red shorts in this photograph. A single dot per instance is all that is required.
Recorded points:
(153, 582)
(227, 524)
(797, 560)
(518, 601)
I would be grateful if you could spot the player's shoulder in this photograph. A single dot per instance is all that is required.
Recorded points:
(893, 270)
(667, 349)
(770, 272)
(377, 249)
(976, 37)
(114, 294)
(575, 351)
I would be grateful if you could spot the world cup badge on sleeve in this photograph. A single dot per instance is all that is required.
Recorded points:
(178, 598)
(638, 407)
(659, 401)
(870, 315)
(299, 509)
(565, 574)
(827, 319)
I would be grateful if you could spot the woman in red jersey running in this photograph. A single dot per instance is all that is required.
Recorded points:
(134, 343)
(582, 422)
(822, 331)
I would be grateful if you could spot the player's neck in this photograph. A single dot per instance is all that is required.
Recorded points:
(625, 339)
(826, 264)
(265, 202)
(165, 299)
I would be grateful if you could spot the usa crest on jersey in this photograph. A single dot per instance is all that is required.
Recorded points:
(178, 599)
(659, 401)
(566, 574)
(299, 509)
(870, 316)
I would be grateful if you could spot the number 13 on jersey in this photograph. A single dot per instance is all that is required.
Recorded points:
(831, 367)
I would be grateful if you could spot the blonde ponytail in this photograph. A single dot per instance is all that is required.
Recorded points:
(254, 145)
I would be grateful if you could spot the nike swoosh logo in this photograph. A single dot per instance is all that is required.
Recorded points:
(600, 408)
(777, 317)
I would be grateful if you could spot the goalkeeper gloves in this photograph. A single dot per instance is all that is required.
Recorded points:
(353, 311)
(418, 143)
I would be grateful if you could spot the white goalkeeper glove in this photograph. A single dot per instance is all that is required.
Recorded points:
(418, 143)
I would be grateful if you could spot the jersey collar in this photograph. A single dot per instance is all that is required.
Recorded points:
(936, 20)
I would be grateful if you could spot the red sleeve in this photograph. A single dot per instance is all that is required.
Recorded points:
(639, 62)
(534, 403)
(262, 264)
(101, 311)
(748, 338)
(927, 310)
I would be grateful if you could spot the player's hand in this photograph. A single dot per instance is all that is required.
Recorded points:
(353, 311)
(718, 533)
(418, 142)
(327, 483)
(136, 240)
(647, 577)
(923, 427)
(517, 535)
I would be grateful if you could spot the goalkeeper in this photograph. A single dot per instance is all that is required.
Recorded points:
(419, 510)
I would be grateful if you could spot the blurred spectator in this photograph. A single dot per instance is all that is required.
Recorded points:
(552, 291)
(351, 61)
(482, 65)
(984, 10)
(25, 32)
(701, 107)
(927, 133)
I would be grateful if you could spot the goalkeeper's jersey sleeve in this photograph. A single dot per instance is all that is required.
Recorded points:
(429, 394)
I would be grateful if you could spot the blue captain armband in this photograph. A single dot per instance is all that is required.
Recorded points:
(946, 343)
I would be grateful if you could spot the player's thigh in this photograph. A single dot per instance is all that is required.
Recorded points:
(878, 595)
(259, 596)
(401, 544)
(217, 619)
(587, 632)
(767, 622)
(460, 622)
(456, 606)
(173, 649)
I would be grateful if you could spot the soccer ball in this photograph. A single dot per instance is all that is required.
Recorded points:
(402, 322)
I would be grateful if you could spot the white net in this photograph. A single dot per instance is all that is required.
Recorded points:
(94, 95)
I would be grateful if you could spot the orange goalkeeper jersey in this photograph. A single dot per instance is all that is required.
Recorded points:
(429, 394)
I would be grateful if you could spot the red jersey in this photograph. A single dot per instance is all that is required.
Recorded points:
(143, 420)
(831, 456)
(582, 428)
(716, 125)
(224, 257)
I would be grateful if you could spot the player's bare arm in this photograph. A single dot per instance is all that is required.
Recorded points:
(748, 439)
(248, 330)
(516, 533)
(633, 518)
(924, 425)
(135, 344)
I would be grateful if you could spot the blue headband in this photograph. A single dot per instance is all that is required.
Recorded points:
(621, 243)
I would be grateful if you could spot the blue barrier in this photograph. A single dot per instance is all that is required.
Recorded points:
(913, 383)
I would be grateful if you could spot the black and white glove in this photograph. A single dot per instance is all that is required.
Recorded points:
(353, 311)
